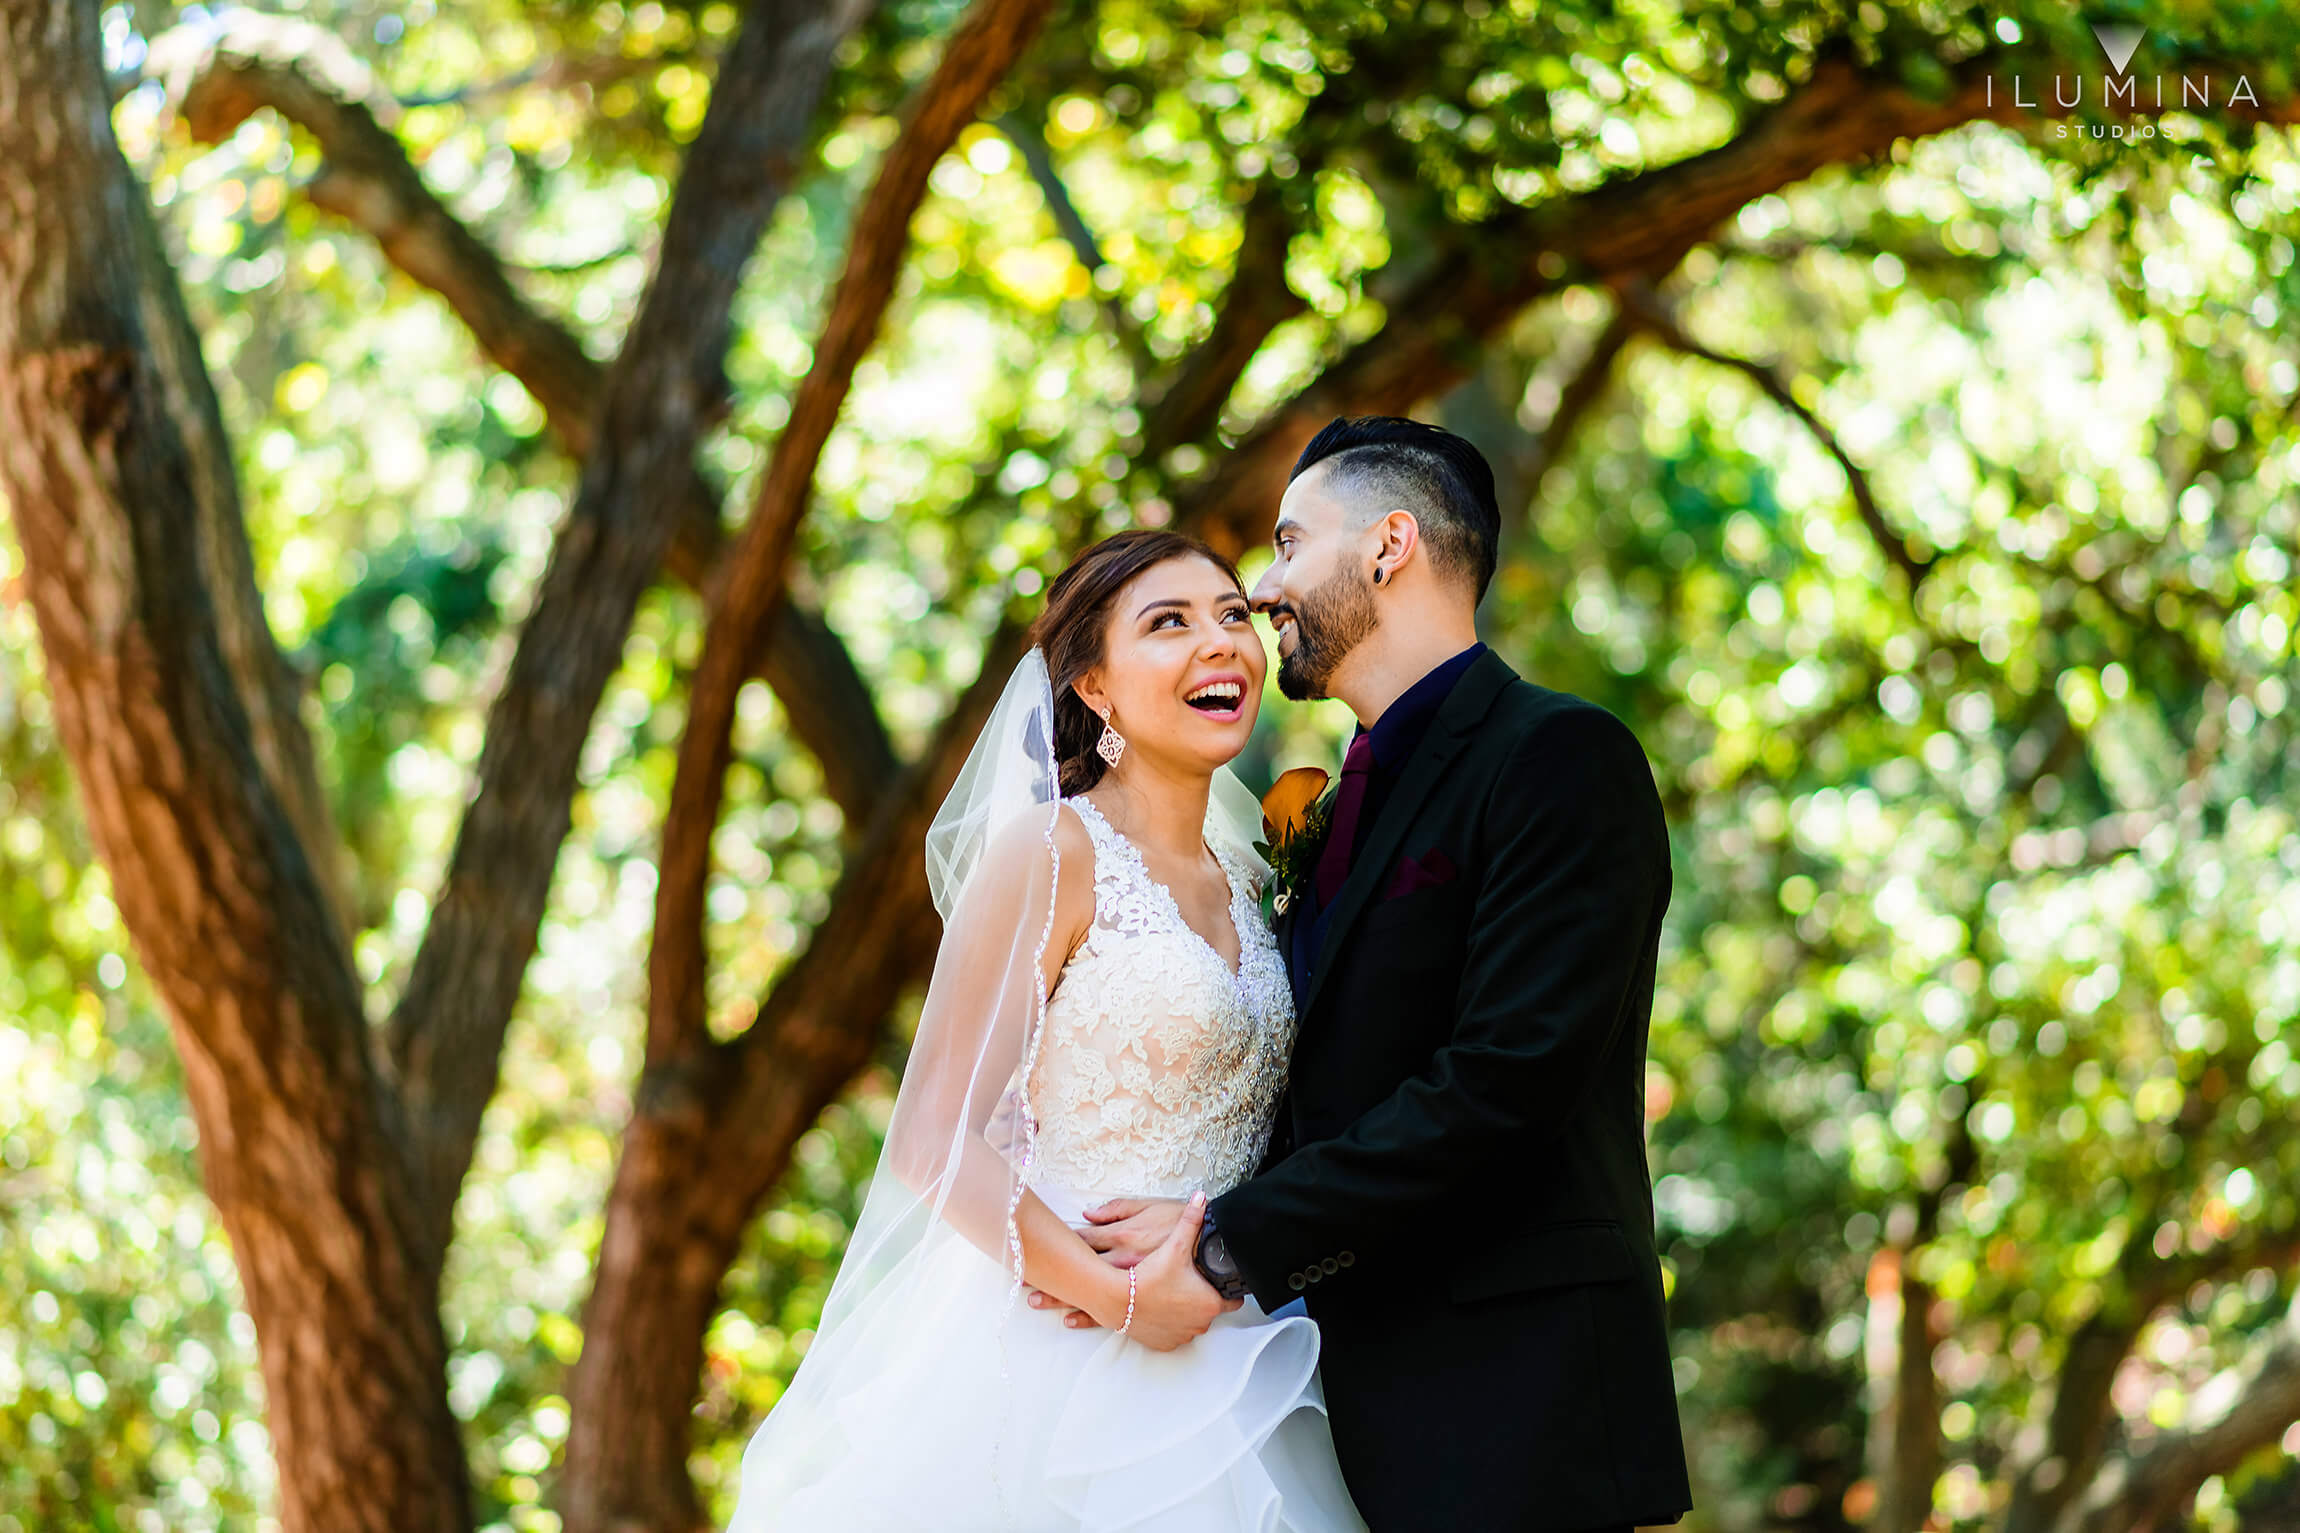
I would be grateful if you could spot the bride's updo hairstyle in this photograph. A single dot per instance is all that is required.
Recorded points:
(1069, 633)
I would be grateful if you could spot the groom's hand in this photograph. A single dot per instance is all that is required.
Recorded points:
(1173, 1304)
(1127, 1230)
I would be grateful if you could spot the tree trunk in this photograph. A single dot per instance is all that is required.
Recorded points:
(1905, 1416)
(669, 1240)
(711, 1134)
(300, 1144)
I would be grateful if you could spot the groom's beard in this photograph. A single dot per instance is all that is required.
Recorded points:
(1330, 620)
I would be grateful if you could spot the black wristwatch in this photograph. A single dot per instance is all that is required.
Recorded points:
(1215, 1263)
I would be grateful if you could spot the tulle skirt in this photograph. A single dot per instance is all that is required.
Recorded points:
(955, 1412)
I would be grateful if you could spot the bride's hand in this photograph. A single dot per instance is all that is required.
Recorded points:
(1173, 1305)
(1127, 1230)
(1124, 1231)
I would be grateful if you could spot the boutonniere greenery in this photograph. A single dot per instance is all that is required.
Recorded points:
(1295, 814)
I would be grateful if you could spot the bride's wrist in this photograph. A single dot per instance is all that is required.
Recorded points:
(1114, 1295)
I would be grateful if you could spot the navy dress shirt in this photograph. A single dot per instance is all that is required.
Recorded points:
(1395, 734)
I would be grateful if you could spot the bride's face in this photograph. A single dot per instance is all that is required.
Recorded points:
(1181, 665)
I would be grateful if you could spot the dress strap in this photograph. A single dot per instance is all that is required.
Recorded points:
(1113, 855)
(1244, 882)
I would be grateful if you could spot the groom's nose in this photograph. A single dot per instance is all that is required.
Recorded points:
(1266, 591)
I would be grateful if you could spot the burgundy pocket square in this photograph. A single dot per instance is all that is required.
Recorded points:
(1427, 872)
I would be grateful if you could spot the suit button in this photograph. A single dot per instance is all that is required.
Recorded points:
(1297, 1282)
(1347, 1258)
(1331, 1266)
(1313, 1274)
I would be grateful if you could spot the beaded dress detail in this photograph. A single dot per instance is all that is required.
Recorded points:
(1160, 1069)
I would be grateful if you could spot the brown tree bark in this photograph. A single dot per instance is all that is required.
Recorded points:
(701, 1151)
(711, 1133)
(1638, 226)
(299, 1142)
(979, 54)
(1186, 405)
(1904, 1450)
(2149, 1491)
(664, 391)
(2056, 1484)
(268, 685)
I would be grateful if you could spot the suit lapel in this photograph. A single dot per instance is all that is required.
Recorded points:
(1465, 707)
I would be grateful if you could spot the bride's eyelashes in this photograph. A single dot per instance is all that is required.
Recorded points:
(1229, 615)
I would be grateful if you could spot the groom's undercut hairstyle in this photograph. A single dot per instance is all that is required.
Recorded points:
(1384, 463)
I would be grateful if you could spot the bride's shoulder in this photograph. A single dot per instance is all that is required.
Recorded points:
(1017, 854)
(1009, 884)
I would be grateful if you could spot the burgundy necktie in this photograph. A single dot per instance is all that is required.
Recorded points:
(1349, 801)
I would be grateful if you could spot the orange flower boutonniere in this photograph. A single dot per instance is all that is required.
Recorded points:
(1295, 815)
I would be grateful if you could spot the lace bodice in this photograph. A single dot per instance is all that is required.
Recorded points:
(1159, 1070)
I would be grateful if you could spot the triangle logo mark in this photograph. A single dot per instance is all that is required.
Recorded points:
(2118, 42)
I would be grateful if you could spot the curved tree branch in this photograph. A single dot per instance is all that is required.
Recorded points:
(1187, 405)
(1639, 226)
(1645, 306)
(370, 183)
(2047, 1488)
(270, 687)
(2146, 1492)
(1030, 142)
(979, 55)
(1580, 395)
(664, 390)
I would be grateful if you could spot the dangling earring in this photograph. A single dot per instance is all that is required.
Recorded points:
(1112, 745)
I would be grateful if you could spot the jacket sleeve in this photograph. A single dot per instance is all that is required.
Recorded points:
(1575, 870)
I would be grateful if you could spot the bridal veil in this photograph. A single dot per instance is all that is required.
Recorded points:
(961, 1142)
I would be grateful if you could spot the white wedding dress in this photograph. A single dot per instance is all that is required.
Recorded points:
(1158, 1074)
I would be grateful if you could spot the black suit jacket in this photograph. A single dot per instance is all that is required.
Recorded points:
(1457, 1183)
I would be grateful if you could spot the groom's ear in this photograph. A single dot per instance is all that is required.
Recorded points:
(1397, 536)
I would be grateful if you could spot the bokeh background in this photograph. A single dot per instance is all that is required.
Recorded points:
(1916, 474)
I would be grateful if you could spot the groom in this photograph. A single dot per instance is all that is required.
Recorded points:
(1457, 1183)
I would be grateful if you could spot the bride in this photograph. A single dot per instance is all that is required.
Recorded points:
(1108, 1017)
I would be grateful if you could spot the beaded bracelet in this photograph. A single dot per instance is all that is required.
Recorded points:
(1133, 1278)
